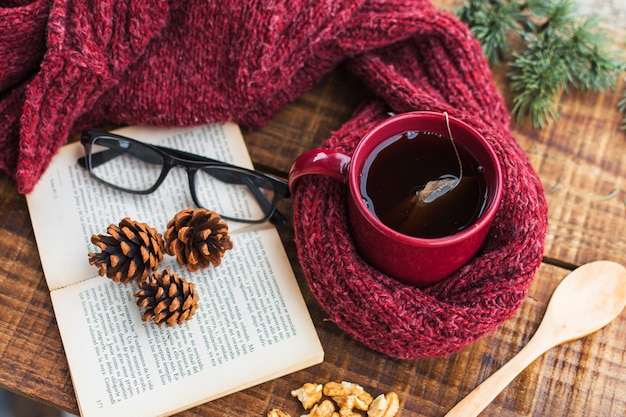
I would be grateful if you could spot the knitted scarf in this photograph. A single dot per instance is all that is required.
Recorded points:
(440, 68)
(70, 64)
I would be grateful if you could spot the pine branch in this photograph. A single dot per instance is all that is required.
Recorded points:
(554, 50)
(490, 22)
(537, 77)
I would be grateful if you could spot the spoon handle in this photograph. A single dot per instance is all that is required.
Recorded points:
(489, 389)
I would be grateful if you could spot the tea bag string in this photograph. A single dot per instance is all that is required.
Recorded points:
(432, 203)
(456, 151)
(442, 186)
(435, 189)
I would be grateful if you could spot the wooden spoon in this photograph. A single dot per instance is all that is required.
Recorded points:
(585, 301)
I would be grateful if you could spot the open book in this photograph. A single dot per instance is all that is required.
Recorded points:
(252, 324)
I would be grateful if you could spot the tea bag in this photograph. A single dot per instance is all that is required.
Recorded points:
(435, 189)
(429, 211)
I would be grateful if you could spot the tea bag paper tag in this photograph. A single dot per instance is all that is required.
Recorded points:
(435, 189)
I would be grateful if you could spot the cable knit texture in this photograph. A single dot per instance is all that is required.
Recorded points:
(69, 64)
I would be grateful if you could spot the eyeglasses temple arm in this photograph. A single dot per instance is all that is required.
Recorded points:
(99, 158)
(277, 217)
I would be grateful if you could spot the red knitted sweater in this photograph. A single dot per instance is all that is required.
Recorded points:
(67, 64)
(70, 64)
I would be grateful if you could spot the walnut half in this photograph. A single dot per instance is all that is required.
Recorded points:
(324, 409)
(348, 396)
(277, 413)
(308, 394)
(384, 405)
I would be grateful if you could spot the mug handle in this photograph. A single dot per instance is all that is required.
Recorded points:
(321, 162)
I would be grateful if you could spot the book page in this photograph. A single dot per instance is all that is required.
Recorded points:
(252, 324)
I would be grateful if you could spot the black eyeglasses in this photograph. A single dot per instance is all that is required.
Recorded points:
(236, 193)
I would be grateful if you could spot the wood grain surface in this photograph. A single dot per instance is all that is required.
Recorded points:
(581, 161)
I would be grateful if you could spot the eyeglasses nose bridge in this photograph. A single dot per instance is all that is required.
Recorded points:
(191, 177)
(171, 162)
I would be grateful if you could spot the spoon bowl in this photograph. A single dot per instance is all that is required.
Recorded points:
(585, 301)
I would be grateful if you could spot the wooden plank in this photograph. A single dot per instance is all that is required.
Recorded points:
(32, 359)
(305, 123)
(565, 380)
(581, 160)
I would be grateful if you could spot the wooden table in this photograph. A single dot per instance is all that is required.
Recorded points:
(581, 161)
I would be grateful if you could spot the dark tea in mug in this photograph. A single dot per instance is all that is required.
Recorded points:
(414, 184)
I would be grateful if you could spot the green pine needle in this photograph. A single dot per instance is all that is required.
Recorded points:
(491, 22)
(536, 80)
(593, 63)
(555, 50)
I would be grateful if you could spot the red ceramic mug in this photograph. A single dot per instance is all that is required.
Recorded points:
(414, 260)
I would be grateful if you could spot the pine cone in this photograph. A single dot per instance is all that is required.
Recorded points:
(198, 238)
(168, 298)
(129, 252)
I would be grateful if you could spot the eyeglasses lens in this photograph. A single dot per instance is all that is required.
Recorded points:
(125, 164)
(234, 193)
